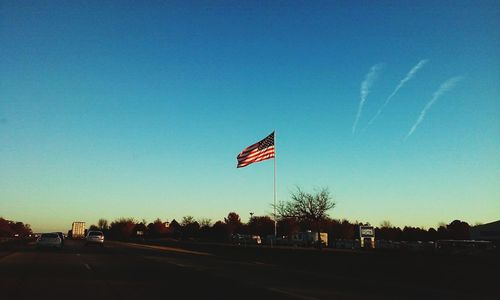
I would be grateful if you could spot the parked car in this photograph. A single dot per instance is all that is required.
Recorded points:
(49, 240)
(95, 237)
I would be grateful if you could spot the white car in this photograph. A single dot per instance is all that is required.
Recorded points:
(94, 237)
(49, 240)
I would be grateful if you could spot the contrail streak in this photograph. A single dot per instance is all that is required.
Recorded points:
(365, 90)
(407, 78)
(443, 88)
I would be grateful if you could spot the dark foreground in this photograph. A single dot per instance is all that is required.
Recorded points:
(132, 271)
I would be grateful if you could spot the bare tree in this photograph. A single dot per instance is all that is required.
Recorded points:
(385, 224)
(190, 228)
(205, 222)
(186, 220)
(307, 206)
(102, 224)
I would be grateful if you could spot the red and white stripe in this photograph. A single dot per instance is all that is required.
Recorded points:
(252, 154)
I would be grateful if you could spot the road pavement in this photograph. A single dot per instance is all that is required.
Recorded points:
(136, 271)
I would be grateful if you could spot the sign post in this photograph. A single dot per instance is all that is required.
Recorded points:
(367, 236)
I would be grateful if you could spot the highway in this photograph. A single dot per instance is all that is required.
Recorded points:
(134, 271)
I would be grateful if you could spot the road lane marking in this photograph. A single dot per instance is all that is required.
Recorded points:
(291, 294)
(87, 266)
(9, 255)
(262, 264)
(167, 249)
(170, 261)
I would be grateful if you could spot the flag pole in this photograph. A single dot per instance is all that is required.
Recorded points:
(275, 231)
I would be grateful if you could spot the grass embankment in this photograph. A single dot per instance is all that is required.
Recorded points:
(459, 271)
(10, 245)
(13, 243)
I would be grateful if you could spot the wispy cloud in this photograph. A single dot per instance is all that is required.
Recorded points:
(443, 88)
(365, 90)
(407, 78)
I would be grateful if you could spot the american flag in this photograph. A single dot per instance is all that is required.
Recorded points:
(257, 152)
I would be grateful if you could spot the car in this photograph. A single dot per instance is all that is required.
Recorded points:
(95, 237)
(49, 240)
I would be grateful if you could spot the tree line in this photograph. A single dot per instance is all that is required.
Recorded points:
(10, 228)
(205, 229)
(222, 230)
(305, 211)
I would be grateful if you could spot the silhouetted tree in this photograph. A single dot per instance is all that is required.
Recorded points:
(288, 226)
(432, 234)
(261, 225)
(205, 228)
(442, 232)
(409, 233)
(140, 227)
(190, 228)
(459, 230)
(10, 228)
(103, 225)
(158, 228)
(348, 230)
(233, 222)
(332, 227)
(385, 224)
(5, 230)
(205, 222)
(307, 207)
(383, 232)
(414, 234)
(122, 228)
(220, 231)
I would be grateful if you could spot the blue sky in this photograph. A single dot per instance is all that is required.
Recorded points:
(117, 109)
